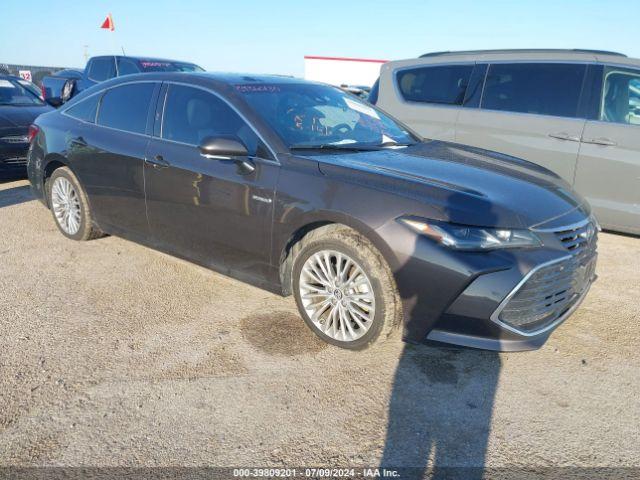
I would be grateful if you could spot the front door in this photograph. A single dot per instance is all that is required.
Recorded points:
(608, 172)
(209, 210)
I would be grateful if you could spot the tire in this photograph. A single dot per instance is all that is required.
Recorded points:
(67, 90)
(67, 199)
(357, 313)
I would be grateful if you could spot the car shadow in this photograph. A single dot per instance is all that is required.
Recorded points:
(15, 196)
(442, 398)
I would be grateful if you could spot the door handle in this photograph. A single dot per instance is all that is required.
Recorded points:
(565, 136)
(601, 141)
(78, 142)
(157, 162)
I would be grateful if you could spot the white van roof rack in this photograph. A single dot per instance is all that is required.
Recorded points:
(524, 50)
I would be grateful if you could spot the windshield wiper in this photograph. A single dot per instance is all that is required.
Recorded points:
(334, 146)
(395, 144)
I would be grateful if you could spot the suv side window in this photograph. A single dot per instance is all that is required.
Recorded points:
(102, 68)
(192, 114)
(621, 96)
(127, 67)
(539, 88)
(444, 84)
(126, 107)
(85, 110)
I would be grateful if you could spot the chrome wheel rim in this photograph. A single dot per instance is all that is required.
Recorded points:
(337, 295)
(66, 205)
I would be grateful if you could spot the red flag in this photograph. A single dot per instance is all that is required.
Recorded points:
(108, 23)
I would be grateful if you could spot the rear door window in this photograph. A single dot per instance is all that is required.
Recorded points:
(443, 84)
(538, 88)
(621, 96)
(85, 110)
(102, 68)
(126, 107)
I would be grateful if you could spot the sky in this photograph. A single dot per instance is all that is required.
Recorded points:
(261, 36)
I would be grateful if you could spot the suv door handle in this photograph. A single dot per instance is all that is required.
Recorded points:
(157, 162)
(601, 141)
(565, 136)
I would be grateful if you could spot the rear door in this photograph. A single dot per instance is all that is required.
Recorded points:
(209, 210)
(428, 98)
(531, 111)
(108, 157)
(608, 172)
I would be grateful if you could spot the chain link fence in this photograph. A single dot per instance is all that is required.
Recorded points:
(34, 73)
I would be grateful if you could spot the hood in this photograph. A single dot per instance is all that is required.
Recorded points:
(21, 116)
(461, 184)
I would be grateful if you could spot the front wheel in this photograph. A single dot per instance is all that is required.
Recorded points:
(344, 289)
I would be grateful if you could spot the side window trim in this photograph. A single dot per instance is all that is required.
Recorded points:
(274, 157)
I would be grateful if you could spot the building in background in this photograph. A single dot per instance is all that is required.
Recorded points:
(342, 71)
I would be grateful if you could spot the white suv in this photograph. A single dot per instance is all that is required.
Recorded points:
(575, 112)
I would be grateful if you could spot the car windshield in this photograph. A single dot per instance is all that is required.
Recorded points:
(13, 93)
(161, 66)
(311, 115)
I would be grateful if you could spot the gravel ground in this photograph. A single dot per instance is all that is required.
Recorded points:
(112, 354)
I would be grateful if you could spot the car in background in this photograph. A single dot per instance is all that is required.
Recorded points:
(361, 91)
(20, 105)
(302, 188)
(61, 86)
(575, 112)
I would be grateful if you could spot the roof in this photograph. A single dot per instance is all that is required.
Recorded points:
(524, 50)
(145, 59)
(552, 55)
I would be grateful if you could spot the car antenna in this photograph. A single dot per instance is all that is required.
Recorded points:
(122, 48)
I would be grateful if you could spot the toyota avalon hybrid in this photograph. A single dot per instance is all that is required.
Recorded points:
(301, 188)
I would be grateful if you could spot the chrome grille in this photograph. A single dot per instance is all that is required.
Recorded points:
(15, 139)
(551, 290)
(16, 161)
(577, 238)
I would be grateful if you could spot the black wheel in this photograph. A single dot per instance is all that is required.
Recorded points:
(70, 207)
(344, 288)
(67, 90)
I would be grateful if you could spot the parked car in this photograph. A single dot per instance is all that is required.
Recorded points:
(574, 112)
(302, 188)
(61, 86)
(19, 107)
(361, 91)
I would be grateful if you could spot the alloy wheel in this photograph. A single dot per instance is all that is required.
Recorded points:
(66, 205)
(337, 295)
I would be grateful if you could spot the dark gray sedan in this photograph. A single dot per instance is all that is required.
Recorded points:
(303, 189)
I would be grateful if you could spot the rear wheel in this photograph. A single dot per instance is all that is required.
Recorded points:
(344, 289)
(70, 207)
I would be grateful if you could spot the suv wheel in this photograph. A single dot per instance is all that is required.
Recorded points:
(344, 289)
(69, 206)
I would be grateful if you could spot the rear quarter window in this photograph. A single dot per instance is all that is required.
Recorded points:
(85, 110)
(443, 84)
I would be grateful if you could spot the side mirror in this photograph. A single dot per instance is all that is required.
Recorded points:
(224, 148)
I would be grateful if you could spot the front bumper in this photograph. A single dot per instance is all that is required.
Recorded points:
(506, 300)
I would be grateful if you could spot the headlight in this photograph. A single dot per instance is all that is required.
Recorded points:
(463, 237)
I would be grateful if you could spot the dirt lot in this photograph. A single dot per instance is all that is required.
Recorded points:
(114, 354)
